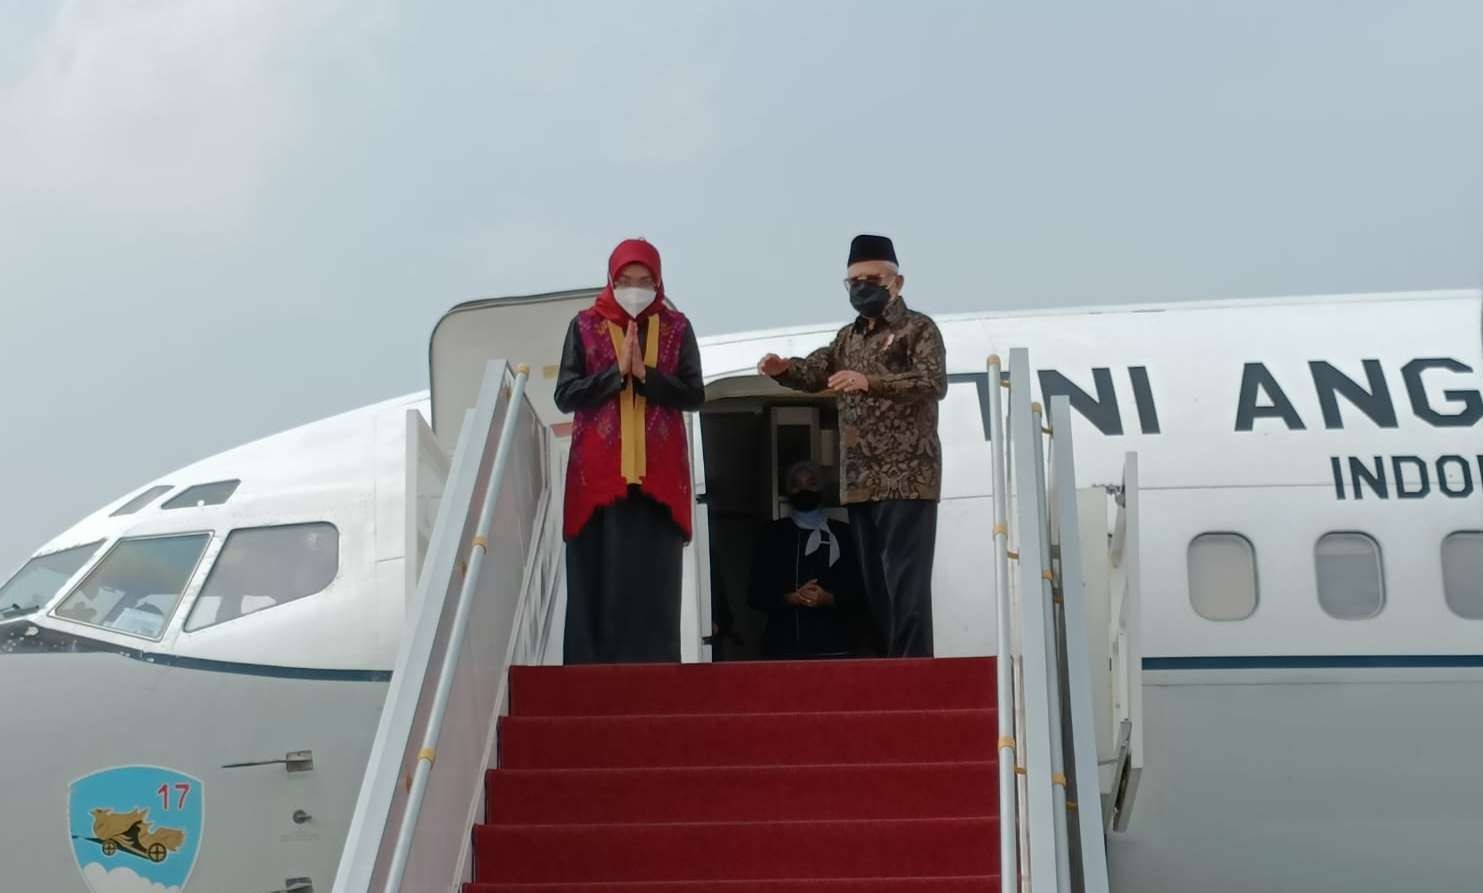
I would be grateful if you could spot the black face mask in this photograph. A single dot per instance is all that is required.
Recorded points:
(869, 299)
(805, 500)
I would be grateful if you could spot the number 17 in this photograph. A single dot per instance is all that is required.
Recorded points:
(164, 794)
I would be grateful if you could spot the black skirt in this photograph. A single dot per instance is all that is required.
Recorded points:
(623, 585)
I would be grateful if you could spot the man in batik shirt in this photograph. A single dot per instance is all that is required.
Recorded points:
(889, 369)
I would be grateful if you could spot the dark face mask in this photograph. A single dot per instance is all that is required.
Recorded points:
(869, 299)
(805, 500)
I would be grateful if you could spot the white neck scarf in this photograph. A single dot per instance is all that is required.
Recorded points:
(818, 524)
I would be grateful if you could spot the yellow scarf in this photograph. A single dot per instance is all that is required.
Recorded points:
(631, 406)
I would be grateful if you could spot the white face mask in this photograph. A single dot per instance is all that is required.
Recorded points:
(634, 300)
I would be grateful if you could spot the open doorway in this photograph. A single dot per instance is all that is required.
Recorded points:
(752, 432)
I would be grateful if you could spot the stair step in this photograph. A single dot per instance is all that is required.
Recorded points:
(909, 848)
(765, 739)
(980, 884)
(765, 687)
(740, 794)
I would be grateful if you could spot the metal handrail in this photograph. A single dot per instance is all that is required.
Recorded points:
(479, 550)
(1016, 633)
(1053, 655)
(1086, 827)
(1004, 618)
(1036, 643)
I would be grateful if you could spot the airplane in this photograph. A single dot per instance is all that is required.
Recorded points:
(1311, 624)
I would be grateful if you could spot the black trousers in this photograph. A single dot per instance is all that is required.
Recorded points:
(623, 586)
(897, 541)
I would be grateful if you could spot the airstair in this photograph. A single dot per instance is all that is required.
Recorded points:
(494, 771)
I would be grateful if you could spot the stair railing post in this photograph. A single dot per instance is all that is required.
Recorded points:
(1053, 655)
(1004, 658)
(477, 552)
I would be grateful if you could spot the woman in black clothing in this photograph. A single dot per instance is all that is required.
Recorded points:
(806, 576)
(630, 368)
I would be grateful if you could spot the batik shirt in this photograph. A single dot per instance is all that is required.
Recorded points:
(888, 435)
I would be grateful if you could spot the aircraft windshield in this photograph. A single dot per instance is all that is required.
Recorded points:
(137, 585)
(35, 583)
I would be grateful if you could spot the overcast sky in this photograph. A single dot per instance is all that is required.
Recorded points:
(223, 218)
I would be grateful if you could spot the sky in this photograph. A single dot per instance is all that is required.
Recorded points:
(223, 218)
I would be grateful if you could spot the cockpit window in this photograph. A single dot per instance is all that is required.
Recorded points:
(137, 586)
(203, 494)
(140, 501)
(260, 567)
(35, 583)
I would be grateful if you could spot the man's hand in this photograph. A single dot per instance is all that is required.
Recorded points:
(847, 382)
(636, 366)
(773, 365)
(794, 599)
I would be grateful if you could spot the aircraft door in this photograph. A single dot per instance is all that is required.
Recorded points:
(746, 438)
(521, 329)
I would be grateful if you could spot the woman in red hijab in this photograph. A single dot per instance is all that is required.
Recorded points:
(629, 368)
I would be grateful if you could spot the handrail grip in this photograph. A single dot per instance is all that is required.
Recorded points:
(1004, 659)
(477, 552)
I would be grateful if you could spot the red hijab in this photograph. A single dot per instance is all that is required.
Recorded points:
(630, 251)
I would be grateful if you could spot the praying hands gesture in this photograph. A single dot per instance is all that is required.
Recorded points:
(631, 357)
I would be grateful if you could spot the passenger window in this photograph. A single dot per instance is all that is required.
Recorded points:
(203, 494)
(36, 583)
(137, 586)
(262, 567)
(1462, 573)
(140, 501)
(1351, 584)
(1222, 576)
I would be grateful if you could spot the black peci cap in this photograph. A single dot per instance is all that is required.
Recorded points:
(865, 247)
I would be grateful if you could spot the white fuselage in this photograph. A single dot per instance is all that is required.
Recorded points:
(1288, 750)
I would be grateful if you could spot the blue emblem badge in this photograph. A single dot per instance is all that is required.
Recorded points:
(136, 829)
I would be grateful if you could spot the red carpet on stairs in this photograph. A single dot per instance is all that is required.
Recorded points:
(813, 777)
